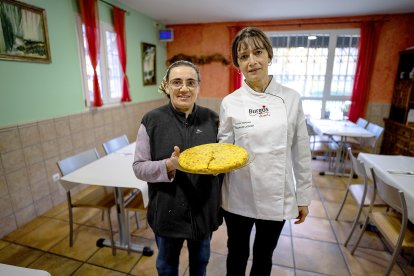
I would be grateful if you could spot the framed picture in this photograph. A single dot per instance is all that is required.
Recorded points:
(148, 64)
(23, 32)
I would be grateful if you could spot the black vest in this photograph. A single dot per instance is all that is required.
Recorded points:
(189, 206)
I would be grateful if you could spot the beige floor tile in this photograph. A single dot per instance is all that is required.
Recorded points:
(84, 245)
(299, 272)
(45, 236)
(315, 194)
(27, 228)
(328, 182)
(286, 229)
(88, 269)
(56, 265)
(144, 231)
(57, 210)
(276, 270)
(219, 240)
(369, 262)
(319, 257)
(315, 229)
(369, 239)
(121, 262)
(316, 209)
(216, 265)
(348, 212)
(18, 255)
(283, 254)
(333, 195)
(3, 244)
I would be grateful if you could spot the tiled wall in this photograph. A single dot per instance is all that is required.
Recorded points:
(29, 152)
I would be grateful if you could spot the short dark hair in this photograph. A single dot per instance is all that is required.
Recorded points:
(257, 36)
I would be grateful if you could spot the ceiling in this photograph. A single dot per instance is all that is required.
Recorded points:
(192, 11)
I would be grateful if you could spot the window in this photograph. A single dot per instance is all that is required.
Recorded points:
(109, 69)
(318, 64)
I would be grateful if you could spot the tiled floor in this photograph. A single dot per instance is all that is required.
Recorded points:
(313, 248)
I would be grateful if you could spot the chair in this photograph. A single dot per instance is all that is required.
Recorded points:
(369, 145)
(391, 225)
(315, 138)
(359, 192)
(99, 198)
(362, 122)
(136, 205)
(115, 144)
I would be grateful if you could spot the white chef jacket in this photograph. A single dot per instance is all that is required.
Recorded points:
(271, 127)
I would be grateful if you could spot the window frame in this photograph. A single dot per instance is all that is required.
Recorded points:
(104, 81)
(333, 35)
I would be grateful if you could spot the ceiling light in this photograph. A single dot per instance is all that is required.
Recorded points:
(312, 37)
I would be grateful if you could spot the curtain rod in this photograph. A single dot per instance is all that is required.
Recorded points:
(112, 5)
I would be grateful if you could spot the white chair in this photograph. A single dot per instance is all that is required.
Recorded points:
(361, 192)
(362, 122)
(115, 144)
(391, 225)
(99, 198)
(318, 143)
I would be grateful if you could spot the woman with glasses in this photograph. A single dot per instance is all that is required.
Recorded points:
(182, 206)
(266, 119)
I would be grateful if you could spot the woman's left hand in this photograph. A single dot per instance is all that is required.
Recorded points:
(303, 212)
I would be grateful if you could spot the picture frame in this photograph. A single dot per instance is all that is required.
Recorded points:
(149, 72)
(23, 32)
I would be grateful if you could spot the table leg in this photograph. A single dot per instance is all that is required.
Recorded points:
(339, 161)
(123, 231)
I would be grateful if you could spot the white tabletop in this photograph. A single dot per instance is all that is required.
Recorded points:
(11, 270)
(404, 182)
(339, 128)
(112, 170)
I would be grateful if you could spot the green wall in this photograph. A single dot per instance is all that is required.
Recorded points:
(35, 91)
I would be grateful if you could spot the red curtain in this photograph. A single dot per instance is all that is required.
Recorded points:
(119, 26)
(235, 77)
(363, 72)
(90, 18)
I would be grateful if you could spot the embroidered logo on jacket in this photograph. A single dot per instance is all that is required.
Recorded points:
(261, 112)
(198, 131)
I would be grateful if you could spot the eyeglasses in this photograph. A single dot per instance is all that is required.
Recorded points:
(179, 83)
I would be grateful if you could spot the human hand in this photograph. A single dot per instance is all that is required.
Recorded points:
(303, 212)
(172, 162)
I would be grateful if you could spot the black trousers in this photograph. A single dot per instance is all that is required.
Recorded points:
(238, 244)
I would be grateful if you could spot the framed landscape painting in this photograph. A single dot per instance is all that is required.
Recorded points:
(23, 32)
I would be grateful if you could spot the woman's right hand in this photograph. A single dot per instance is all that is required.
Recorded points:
(172, 162)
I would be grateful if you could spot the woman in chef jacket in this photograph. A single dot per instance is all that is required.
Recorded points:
(266, 118)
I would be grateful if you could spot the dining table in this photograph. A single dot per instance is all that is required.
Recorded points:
(342, 129)
(113, 170)
(397, 171)
(11, 270)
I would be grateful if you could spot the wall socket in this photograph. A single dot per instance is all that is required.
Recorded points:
(56, 177)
